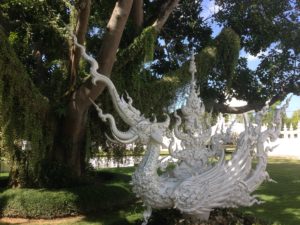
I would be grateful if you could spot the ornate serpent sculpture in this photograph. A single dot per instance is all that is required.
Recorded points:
(202, 178)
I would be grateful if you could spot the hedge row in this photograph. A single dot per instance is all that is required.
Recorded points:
(113, 193)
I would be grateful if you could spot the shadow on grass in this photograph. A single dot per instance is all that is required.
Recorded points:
(126, 216)
(4, 181)
(282, 199)
(109, 193)
(3, 201)
(111, 202)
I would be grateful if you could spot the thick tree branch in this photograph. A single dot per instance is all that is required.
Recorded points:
(164, 14)
(222, 108)
(115, 27)
(84, 8)
(256, 106)
(138, 14)
(106, 57)
(107, 54)
(136, 49)
(75, 122)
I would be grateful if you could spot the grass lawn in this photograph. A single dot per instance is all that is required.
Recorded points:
(282, 199)
(3, 175)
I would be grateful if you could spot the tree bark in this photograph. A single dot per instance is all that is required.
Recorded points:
(68, 150)
(222, 108)
(138, 14)
(76, 119)
(256, 106)
(84, 8)
(75, 122)
(164, 14)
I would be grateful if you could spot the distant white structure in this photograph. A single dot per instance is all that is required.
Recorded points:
(288, 143)
(289, 133)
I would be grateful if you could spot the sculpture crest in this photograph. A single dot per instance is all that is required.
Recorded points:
(201, 178)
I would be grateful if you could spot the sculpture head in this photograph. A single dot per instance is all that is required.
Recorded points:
(147, 130)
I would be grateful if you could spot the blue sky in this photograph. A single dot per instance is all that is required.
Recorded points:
(209, 8)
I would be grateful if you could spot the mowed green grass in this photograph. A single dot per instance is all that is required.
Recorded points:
(4, 175)
(282, 199)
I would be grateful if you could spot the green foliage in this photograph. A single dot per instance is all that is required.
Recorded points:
(270, 27)
(228, 48)
(113, 203)
(141, 48)
(23, 114)
(292, 121)
(152, 67)
(130, 75)
(281, 199)
(216, 62)
(220, 56)
(32, 82)
(37, 32)
(259, 23)
(205, 61)
(268, 118)
(56, 175)
(119, 153)
(149, 35)
(184, 31)
(30, 203)
(113, 194)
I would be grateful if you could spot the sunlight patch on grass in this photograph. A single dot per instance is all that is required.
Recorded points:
(260, 210)
(282, 199)
(4, 174)
(294, 211)
(268, 198)
(281, 207)
(119, 185)
(122, 170)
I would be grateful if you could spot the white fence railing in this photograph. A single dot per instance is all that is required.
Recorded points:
(289, 133)
(288, 145)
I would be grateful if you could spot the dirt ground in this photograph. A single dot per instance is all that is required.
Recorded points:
(6, 220)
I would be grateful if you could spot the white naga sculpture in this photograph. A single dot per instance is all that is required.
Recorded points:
(201, 178)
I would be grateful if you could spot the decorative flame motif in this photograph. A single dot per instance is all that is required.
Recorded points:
(202, 178)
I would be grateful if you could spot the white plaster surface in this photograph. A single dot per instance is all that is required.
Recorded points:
(287, 148)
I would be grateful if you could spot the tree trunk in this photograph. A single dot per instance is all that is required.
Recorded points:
(138, 14)
(84, 9)
(74, 126)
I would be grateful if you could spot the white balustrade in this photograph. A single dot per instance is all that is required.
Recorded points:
(289, 133)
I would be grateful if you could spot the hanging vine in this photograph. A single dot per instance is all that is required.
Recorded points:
(23, 113)
(217, 59)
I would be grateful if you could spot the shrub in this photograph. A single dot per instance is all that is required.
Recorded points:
(37, 203)
(46, 203)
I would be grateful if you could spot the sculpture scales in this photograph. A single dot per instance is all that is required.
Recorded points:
(201, 178)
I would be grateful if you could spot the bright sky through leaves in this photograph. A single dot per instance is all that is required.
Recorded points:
(209, 8)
